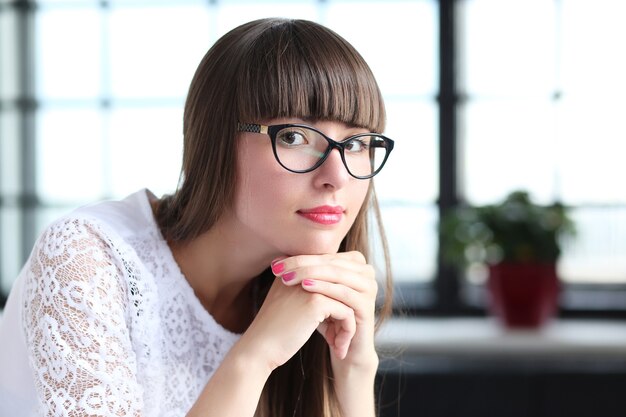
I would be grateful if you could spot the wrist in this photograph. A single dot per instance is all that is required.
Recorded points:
(250, 359)
(355, 393)
(365, 366)
(235, 387)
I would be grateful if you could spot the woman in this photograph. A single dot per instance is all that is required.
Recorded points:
(207, 302)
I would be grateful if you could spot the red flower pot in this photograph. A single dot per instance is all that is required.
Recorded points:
(523, 295)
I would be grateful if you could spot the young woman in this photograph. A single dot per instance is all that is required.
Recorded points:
(247, 292)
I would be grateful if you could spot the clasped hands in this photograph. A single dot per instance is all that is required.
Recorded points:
(334, 294)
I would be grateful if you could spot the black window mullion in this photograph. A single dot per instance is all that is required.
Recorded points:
(3, 296)
(27, 105)
(447, 283)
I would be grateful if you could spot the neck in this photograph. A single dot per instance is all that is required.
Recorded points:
(220, 266)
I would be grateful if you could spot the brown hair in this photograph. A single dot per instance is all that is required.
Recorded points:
(265, 69)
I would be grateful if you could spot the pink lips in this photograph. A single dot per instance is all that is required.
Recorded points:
(323, 214)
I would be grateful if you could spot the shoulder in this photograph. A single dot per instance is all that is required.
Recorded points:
(92, 238)
(100, 225)
(126, 218)
(79, 263)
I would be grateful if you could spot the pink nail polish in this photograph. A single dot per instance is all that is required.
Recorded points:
(278, 268)
(308, 282)
(288, 276)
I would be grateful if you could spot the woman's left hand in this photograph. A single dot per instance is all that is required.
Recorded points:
(347, 278)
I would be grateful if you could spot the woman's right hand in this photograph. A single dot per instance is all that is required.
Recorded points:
(287, 319)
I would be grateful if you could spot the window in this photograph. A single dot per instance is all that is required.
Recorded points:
(541, 82)
(478, 103)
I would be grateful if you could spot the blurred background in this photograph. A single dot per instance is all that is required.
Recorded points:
(495, 96)
(484, 97)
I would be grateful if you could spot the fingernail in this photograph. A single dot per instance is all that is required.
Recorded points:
(278, 268)
(288, 276)
(308, 282)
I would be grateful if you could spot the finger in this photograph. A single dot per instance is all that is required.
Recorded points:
(334, 269)
(304, 260)
(338, 341)
(340, 334)
(347, 259)
(362, 280)
(361, 304)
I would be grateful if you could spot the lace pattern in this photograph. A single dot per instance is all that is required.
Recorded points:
(112, 326)
(76, 326)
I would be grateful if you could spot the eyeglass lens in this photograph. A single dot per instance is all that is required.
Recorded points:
(300, 149)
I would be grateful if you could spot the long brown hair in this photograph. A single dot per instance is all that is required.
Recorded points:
(265, 69)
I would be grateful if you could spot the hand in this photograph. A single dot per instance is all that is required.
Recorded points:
(288, 317)
(345, 278)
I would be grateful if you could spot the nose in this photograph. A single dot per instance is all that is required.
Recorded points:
(332, 173)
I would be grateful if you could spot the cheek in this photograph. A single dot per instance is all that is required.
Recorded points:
(360, 192)
(259, 184)
(259, 194)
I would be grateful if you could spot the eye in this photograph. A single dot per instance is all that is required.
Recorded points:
(356, 146)
(291, 138)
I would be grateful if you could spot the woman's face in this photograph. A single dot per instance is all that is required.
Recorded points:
(288, 213)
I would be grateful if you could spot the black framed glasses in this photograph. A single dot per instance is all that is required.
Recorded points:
(300, 148)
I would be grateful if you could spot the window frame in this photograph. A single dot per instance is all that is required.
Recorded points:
(447, 295)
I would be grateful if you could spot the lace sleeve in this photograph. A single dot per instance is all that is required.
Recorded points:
(76, 326)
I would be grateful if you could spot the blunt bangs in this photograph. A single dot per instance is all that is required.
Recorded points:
(299, 69)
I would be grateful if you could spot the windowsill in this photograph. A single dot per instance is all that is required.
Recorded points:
(472, 337)
(480, 337)
(474, 367)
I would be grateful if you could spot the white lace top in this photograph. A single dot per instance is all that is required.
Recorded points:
(101, 322)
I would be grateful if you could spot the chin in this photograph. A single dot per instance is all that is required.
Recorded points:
(313, 247)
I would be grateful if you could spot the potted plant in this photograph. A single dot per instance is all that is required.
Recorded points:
(520, 242)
